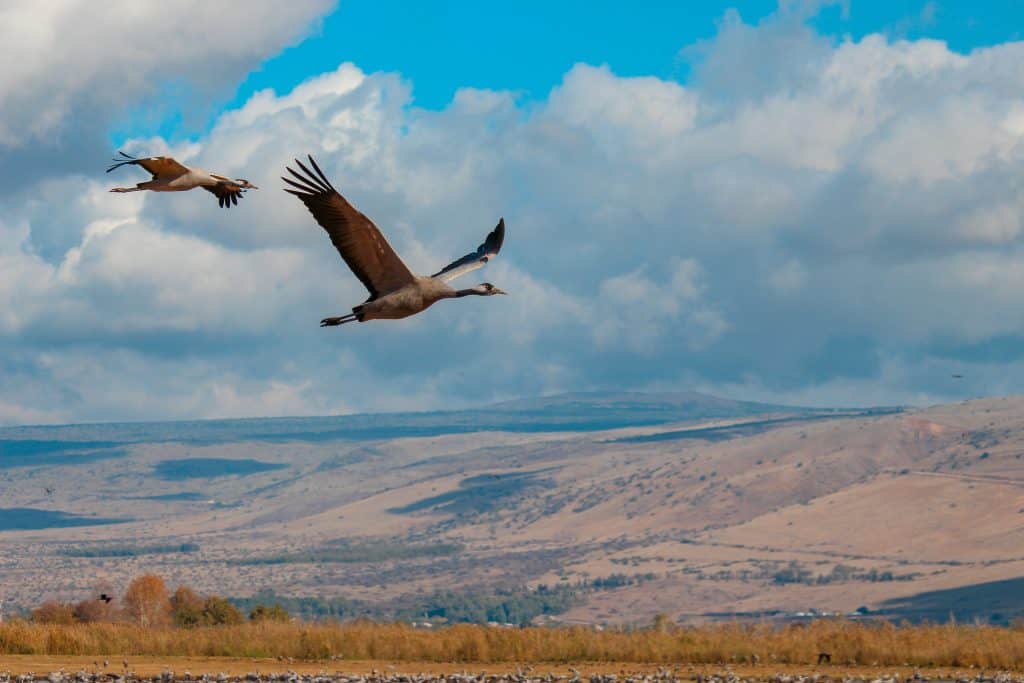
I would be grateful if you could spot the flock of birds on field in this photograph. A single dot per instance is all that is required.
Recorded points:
(663, 675)
(394, 290)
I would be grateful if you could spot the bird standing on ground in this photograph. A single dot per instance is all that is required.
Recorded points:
(170, 175)
(395, 292)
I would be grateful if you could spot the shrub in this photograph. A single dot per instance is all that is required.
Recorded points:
(218, 611)
(190, 610)
(53, 612)
(93, 610)
(186, 607)
(269, 613)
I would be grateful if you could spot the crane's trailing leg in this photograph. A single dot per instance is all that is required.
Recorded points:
(139, 187)
(341, 320)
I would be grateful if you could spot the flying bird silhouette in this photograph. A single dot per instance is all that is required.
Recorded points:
(395, 291)
(958, 376)
(170, 175)
(105, 598)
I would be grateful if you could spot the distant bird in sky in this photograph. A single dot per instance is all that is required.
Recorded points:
(49, 490)
(958, 376)
(395, 292)
(171, 176)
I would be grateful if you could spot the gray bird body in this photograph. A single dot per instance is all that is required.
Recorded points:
(417, 296)
(169, 175)
(395, 291)
(196, 177)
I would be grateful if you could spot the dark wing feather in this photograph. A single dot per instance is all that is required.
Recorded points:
(477, 259)
(157, 166)
(227, 193)
(356, 238)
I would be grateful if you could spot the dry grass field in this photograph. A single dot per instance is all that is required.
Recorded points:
(339, 646)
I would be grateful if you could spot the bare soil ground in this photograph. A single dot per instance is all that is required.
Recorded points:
(149, 666)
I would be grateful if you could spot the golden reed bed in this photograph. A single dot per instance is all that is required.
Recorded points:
(849, 643)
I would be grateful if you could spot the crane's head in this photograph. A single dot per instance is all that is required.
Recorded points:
(482, 289)
(487, 289)
(245, 184)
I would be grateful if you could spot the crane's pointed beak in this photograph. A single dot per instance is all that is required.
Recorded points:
(499, 291)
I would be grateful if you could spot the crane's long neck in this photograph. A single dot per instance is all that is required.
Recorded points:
(467, 292)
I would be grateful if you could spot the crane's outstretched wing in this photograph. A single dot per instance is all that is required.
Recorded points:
(158, 166)
(228, 193)
(478, 259)
(354, 235)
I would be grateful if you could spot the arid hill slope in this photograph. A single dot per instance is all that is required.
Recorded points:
(709, 508)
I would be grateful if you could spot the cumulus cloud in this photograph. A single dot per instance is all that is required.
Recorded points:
(636, 312)
(73, 68)
(61, 57)
(837, 228)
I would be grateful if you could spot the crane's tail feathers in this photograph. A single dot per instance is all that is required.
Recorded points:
(340, 320)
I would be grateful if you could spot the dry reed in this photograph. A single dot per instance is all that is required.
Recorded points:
(848, 642)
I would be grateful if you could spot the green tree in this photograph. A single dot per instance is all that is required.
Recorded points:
(269, 613)
(186, 607)
(217, 610)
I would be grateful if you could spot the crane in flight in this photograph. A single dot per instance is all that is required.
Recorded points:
(170, 175)
(395, 291)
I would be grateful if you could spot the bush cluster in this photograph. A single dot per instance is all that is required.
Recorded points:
(148, 603)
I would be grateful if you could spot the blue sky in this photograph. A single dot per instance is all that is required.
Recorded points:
(527, 47)
(810, 203)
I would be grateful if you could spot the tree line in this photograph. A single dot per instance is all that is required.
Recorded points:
(148, 602)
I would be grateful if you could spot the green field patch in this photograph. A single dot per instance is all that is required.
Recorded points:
(129, 550)
(209, 468)
(480, 493)
(32, 519)
(358, 553)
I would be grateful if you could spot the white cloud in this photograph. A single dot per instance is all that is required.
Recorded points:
(65, 59)
(638, 313)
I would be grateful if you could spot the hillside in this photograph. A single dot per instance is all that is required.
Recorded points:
(691, 505)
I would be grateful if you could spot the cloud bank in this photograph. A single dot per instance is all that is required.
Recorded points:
(806, 220)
